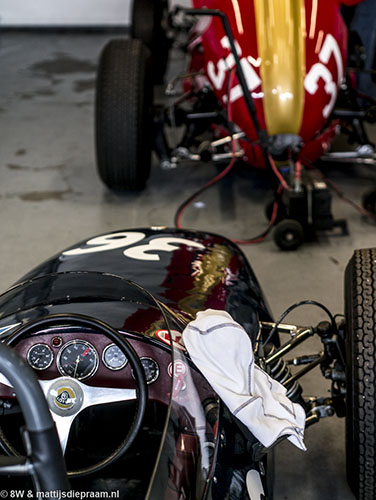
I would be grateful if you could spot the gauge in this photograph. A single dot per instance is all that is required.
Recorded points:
(151, 369)
(40, 356)
(77, 359)
(114, 358)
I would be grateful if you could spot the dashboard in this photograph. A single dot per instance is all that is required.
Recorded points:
(94, 359)
(80, 359)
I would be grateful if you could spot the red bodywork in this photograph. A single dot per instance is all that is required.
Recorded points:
(325, 40)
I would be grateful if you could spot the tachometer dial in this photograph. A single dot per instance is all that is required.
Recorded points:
(114, 358)
(77, 359)
(151, 369)
(40, 356)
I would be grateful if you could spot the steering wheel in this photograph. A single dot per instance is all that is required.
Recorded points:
(44, 461)
(67, 397)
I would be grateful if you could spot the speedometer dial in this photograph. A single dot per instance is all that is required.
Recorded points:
(40, 356)
(77, 359)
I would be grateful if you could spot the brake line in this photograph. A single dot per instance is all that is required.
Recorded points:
(295, 306)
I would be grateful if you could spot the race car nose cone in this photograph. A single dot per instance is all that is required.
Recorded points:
(65, 397)
(281, 35)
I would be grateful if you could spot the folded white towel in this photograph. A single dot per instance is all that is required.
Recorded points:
(223, 352)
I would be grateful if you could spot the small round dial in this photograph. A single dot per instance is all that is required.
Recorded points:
(77, 359)
(40, 356)
(113, 357)
(151, 369)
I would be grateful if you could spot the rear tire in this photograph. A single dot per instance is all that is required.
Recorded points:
(360, 311)
(124, 122)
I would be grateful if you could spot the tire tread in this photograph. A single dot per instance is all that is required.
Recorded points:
(123, 102)
(360, 288)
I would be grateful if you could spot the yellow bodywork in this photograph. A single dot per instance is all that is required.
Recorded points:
(281, 33)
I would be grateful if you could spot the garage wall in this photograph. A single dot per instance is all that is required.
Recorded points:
(67, 12)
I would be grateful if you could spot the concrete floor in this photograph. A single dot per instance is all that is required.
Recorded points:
(51, 197)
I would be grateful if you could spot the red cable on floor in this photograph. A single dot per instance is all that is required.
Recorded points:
(343, 197)
(260, 238)
(182, 207)
(187, 202)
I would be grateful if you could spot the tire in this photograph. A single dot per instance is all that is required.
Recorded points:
(360, 312)
(123, 118)
(148, 18)
(288, 234)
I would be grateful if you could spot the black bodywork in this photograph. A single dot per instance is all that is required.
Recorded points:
(148, 424)
(183, 273)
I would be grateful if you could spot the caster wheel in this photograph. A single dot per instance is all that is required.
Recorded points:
(369, 202)
(288, 234)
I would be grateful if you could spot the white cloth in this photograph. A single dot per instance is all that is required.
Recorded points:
(223, 352)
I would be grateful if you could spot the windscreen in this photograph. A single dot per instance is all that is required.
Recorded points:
(187, 456)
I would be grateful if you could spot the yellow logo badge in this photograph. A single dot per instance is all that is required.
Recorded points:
(65, 398)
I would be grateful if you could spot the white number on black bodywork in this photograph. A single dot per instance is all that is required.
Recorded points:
(129, 239)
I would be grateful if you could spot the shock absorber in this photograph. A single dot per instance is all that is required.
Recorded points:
(281, 372)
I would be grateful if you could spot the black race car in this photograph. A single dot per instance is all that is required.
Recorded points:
(92, 343)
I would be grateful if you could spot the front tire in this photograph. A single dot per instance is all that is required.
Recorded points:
(123, 120)
(360, 311)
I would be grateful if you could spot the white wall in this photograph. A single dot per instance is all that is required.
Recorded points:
(64, 12)
(67, 12)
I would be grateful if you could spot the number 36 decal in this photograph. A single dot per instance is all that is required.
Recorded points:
(129, 239)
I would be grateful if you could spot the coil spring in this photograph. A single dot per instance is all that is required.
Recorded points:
(281, 372)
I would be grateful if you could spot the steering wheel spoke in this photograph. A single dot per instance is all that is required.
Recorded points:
(63, 427)
(102, 395)
(5, 381)
(68, 397)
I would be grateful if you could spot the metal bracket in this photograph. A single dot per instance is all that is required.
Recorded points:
(292, 330)
(182, 154)
(320, 408)
(364, 154)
